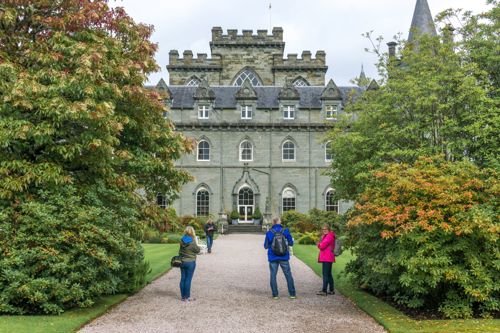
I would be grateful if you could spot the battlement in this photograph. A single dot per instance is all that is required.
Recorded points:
(306, 60)
(247, 37)
(188, 60)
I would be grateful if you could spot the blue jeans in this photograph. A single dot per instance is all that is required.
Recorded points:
(327, 277)
(210, 241)
(285, 266)
(187, 272)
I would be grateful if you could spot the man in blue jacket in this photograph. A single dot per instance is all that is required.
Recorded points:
(279, 259)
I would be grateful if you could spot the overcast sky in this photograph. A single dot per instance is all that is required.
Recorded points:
(334, 26)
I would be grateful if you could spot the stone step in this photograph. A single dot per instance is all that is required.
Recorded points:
(245, 228)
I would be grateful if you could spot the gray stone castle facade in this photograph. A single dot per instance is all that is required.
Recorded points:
(259, 121)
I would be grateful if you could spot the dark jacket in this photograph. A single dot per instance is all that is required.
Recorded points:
(210, 225)
(189, 249)
(269, 240)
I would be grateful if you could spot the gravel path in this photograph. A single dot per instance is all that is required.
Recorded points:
(232, 292)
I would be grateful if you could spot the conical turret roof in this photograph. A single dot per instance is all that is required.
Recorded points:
(422, 22)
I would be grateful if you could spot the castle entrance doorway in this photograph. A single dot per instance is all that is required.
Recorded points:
(245, 204)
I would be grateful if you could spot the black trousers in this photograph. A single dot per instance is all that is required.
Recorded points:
(327, 276)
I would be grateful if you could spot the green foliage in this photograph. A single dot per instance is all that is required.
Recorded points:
(257, 215)
(427, 236)
(312, 221)
(234, 215)
(308, 238)
(79, 136)
(437, 96)
(194, 221)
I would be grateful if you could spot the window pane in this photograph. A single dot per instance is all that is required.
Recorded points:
(204, 151)
(331, 204)
(328, 154)
(161, 200)
(247, 75)
(202, 203)
(289, 151)
(246, 151)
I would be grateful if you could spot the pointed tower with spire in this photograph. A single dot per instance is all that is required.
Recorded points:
(422, 22)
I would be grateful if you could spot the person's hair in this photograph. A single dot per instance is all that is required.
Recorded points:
(327, 226)
(209, 220)
(190, 231)
(276, 220)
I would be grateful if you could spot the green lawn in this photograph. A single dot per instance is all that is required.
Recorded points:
(392, 319)
(158, 256)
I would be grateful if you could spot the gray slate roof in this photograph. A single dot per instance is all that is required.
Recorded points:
(422, 22)
(267, 96)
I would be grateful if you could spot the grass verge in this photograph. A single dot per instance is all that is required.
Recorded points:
(158, 256)
(392, 319)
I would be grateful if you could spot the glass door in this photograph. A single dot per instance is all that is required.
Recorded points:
(245, 204)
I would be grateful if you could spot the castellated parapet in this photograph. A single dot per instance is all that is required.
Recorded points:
(233, 53)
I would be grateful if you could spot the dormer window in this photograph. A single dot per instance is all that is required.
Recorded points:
(246, 112)
(288, 112)
(203, 111)
(331, 111)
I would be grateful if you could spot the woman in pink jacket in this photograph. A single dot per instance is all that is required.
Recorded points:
(327, 258)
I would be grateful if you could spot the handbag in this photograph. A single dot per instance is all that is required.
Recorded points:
(176, 261)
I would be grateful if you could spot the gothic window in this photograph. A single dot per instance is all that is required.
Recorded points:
(331, 205)
(288, 151)
(246, 151)
(300, 82)
(161, 200)
(193, 82)
(328, 151)
(331, 111)
(203, 111)
(246, 112)
(202, 202)
(203, 151)
(288, 112)
(288, 199)
(249, 75)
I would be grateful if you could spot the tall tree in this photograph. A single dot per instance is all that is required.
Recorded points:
(82, 143)
(436, 96)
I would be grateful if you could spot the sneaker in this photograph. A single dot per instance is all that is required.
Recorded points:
(293, 297)
(183, 299)
(276, 297)
(331, 292)
(321, 293)
(190, 299)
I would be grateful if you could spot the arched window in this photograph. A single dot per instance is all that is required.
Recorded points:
(288, 199)
(331, 205)
(161, 200)
(202, 202)
(328, 151)
(246, 151)
(300, 82)
(288, 151)
(249, 75)
(193, 82)
(203, 151)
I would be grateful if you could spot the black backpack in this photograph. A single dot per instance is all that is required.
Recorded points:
(279, 244)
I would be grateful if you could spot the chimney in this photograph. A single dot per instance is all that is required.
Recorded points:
(392, 49)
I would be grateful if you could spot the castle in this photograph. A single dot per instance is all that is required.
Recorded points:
(259, 120)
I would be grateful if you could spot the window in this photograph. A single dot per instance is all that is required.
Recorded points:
(288, 151)
(193, 82)
(288, 200)
(249, 75)
(331, 111)
(161, 200)
(203, 111)
(331, 205)
(328, 151)
(289, 112)
(246, 112)
(300, 83)
(203, 151)
(246, 151)
(202, 202)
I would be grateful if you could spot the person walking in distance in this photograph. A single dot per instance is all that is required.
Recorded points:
(327, 258)
(277, 241)
(210, 229)
(188, 250)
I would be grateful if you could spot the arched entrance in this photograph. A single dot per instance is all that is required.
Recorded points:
(246, 204)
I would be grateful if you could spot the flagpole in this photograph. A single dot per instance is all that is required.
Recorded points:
(270, 17)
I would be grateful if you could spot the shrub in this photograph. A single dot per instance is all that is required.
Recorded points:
(234, 215)
(257, 215)
(320, 217)
(427, 236)
(309, 238)
(188, 220)
(297, 222)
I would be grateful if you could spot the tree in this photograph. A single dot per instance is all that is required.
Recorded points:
(436, 98)
(83, 146)
(426, 235)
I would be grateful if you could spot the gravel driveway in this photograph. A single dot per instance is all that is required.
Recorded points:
(232, 292)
